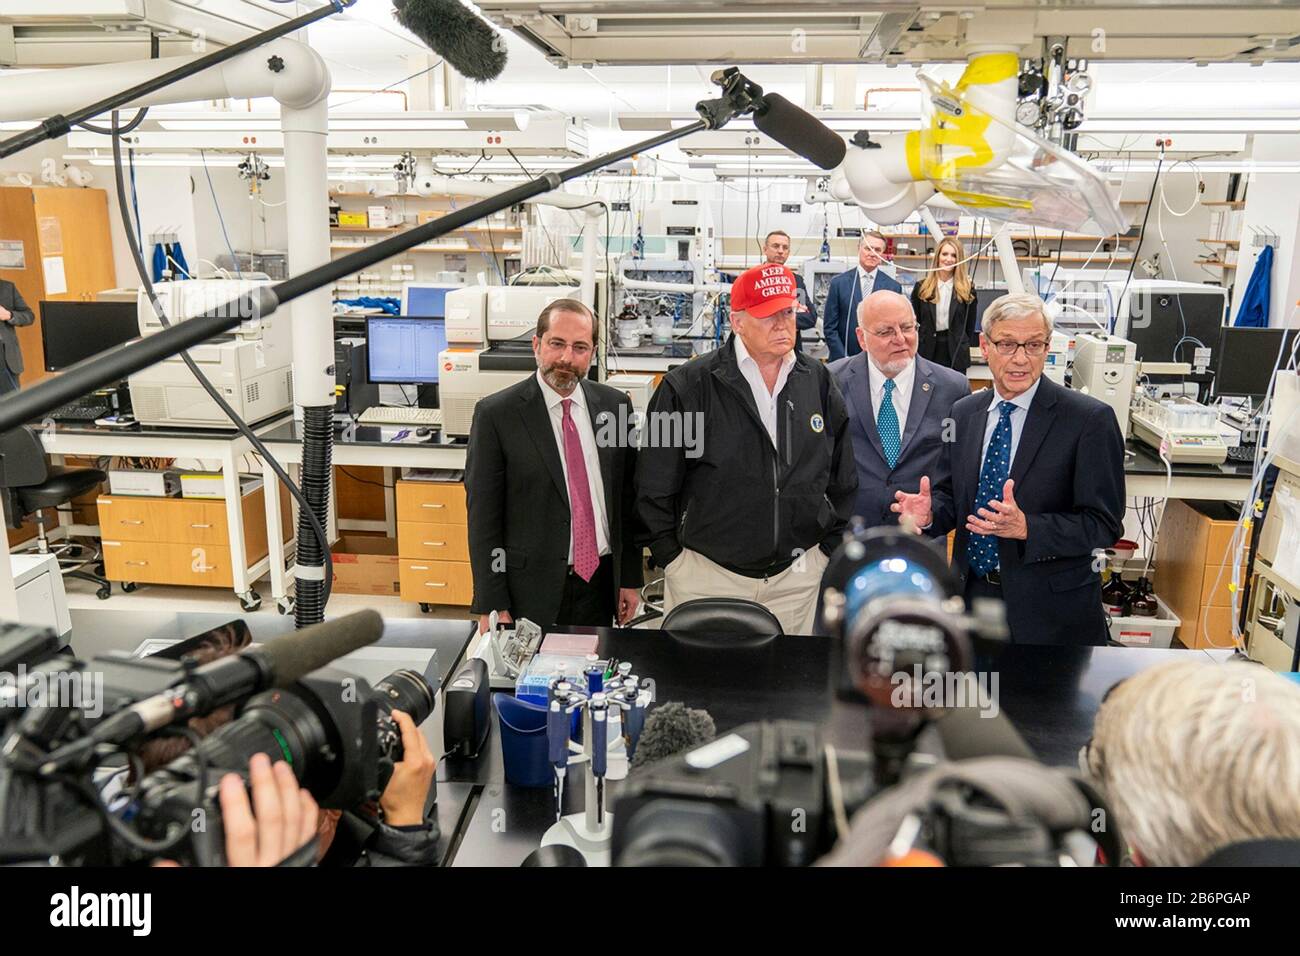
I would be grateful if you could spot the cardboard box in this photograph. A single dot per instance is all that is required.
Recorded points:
(428, 215)
(353, 219)
(145, 482)
(379, 216)
(365, 565)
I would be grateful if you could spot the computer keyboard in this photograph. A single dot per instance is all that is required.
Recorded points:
(82, 410)
(401, 415)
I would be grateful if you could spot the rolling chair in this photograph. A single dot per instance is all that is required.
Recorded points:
(29, 486)
(725, 617)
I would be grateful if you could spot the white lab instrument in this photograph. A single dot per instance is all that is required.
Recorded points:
(1105, 367)
(1188, 429)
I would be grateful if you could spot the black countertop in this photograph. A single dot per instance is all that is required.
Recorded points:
(290, 433)
(171, 432)
(1050, 693)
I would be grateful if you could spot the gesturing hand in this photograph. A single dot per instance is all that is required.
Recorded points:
(1002, 519)
(913, 511)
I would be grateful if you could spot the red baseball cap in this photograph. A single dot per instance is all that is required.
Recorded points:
(762, 290)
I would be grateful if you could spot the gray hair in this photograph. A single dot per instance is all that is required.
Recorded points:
(881, 295)
(1015, 305)
(1197, 756)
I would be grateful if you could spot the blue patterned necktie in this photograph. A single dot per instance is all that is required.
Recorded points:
(887, 425)
(982, 549)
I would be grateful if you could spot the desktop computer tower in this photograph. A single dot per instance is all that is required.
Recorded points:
(352, 386)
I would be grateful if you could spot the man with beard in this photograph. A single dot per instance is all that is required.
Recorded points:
(548, 485)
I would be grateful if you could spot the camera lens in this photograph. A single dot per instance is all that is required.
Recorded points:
(405, 690)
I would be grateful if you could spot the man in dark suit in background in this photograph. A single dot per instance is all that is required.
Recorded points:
(548, 486)
(1034, 485)
(776, 250)
(898, 404)
(13, 312)
(847, 291)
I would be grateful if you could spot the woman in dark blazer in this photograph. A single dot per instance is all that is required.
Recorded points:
(946, 291)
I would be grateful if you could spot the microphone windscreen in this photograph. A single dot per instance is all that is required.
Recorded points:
(671, 729)
(293, 657)
(966, 734)
(799, 131)
(454, 32)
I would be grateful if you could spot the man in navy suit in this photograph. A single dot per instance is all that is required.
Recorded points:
(898, 405)
(847, 291)
(1033, 485)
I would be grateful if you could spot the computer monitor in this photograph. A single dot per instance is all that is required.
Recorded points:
(425, 300)
(983, 299)
(1246, 359)
(73, 331)
(404, 349)
(1168, 325)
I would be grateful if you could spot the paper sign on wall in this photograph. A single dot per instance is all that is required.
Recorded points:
(13, 254)
(56, 282)
(49, 233)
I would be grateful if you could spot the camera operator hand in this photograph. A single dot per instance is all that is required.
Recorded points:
(404, 798)
(286, 815)
(281, 820)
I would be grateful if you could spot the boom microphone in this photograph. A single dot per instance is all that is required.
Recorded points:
(451, 30)
(278, 663)
(799, 131)
(671, 729)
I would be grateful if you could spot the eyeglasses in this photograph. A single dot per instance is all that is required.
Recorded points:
(908, 329)
(1009, 347)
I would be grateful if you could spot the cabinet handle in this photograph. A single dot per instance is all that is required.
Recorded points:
(429, 504)
(205, 567)
(136, 564)
(419, 567)
(435, 544)
(200, 526)
(435, 584)
(128, 521)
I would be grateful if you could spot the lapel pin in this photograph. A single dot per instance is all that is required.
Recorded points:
(925, 386)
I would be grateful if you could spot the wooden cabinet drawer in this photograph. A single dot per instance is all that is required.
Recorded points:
(431, 501)
(133, 519)
(432, 542)
(436, 582)
(197, 522)
(147, 562)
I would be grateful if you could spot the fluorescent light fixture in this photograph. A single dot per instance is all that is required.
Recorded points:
(1205, 166)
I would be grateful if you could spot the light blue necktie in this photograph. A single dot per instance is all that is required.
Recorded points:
(887, 425)
(982, 549)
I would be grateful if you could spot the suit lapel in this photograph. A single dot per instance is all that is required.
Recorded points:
(537, 424)
(971, 462)
(1038, 422)
(922, 389)
(859, 394)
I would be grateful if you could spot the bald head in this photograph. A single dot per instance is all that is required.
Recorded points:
(887, 331)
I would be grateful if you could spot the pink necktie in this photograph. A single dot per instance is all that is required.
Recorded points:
(586, 558)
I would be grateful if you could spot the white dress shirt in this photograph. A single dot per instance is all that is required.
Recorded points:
(1022, 403)
(902, 391)
(941, 305)
(582, 419)
(765, 400)
(867, 280)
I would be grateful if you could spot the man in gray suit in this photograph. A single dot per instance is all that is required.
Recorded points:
(13, 312)
(898, 403)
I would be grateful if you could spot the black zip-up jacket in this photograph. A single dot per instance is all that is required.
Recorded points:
(733, 497)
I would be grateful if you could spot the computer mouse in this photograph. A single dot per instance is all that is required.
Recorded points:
(423, 432)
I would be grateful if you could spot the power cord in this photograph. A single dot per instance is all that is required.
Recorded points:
(138, 259)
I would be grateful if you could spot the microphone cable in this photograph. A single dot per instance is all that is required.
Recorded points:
(138, 259)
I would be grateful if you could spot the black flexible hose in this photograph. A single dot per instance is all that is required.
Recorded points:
(139, 118)
(317, 449)
(315, 524)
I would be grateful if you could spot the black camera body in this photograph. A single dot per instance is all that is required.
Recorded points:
(756, 796)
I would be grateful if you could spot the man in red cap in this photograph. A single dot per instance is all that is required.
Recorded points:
(754, 508)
